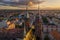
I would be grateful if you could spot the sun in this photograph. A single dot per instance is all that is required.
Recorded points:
(30, 3)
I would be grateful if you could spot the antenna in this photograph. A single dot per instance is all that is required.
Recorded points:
(39, 2)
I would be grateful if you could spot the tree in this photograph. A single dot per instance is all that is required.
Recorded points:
(46, 37)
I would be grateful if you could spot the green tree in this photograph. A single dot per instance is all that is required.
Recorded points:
(46, 37)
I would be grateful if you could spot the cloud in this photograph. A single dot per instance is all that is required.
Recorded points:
(19, 2)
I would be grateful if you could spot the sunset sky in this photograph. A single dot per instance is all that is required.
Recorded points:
(52, 3)
(21, 4)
